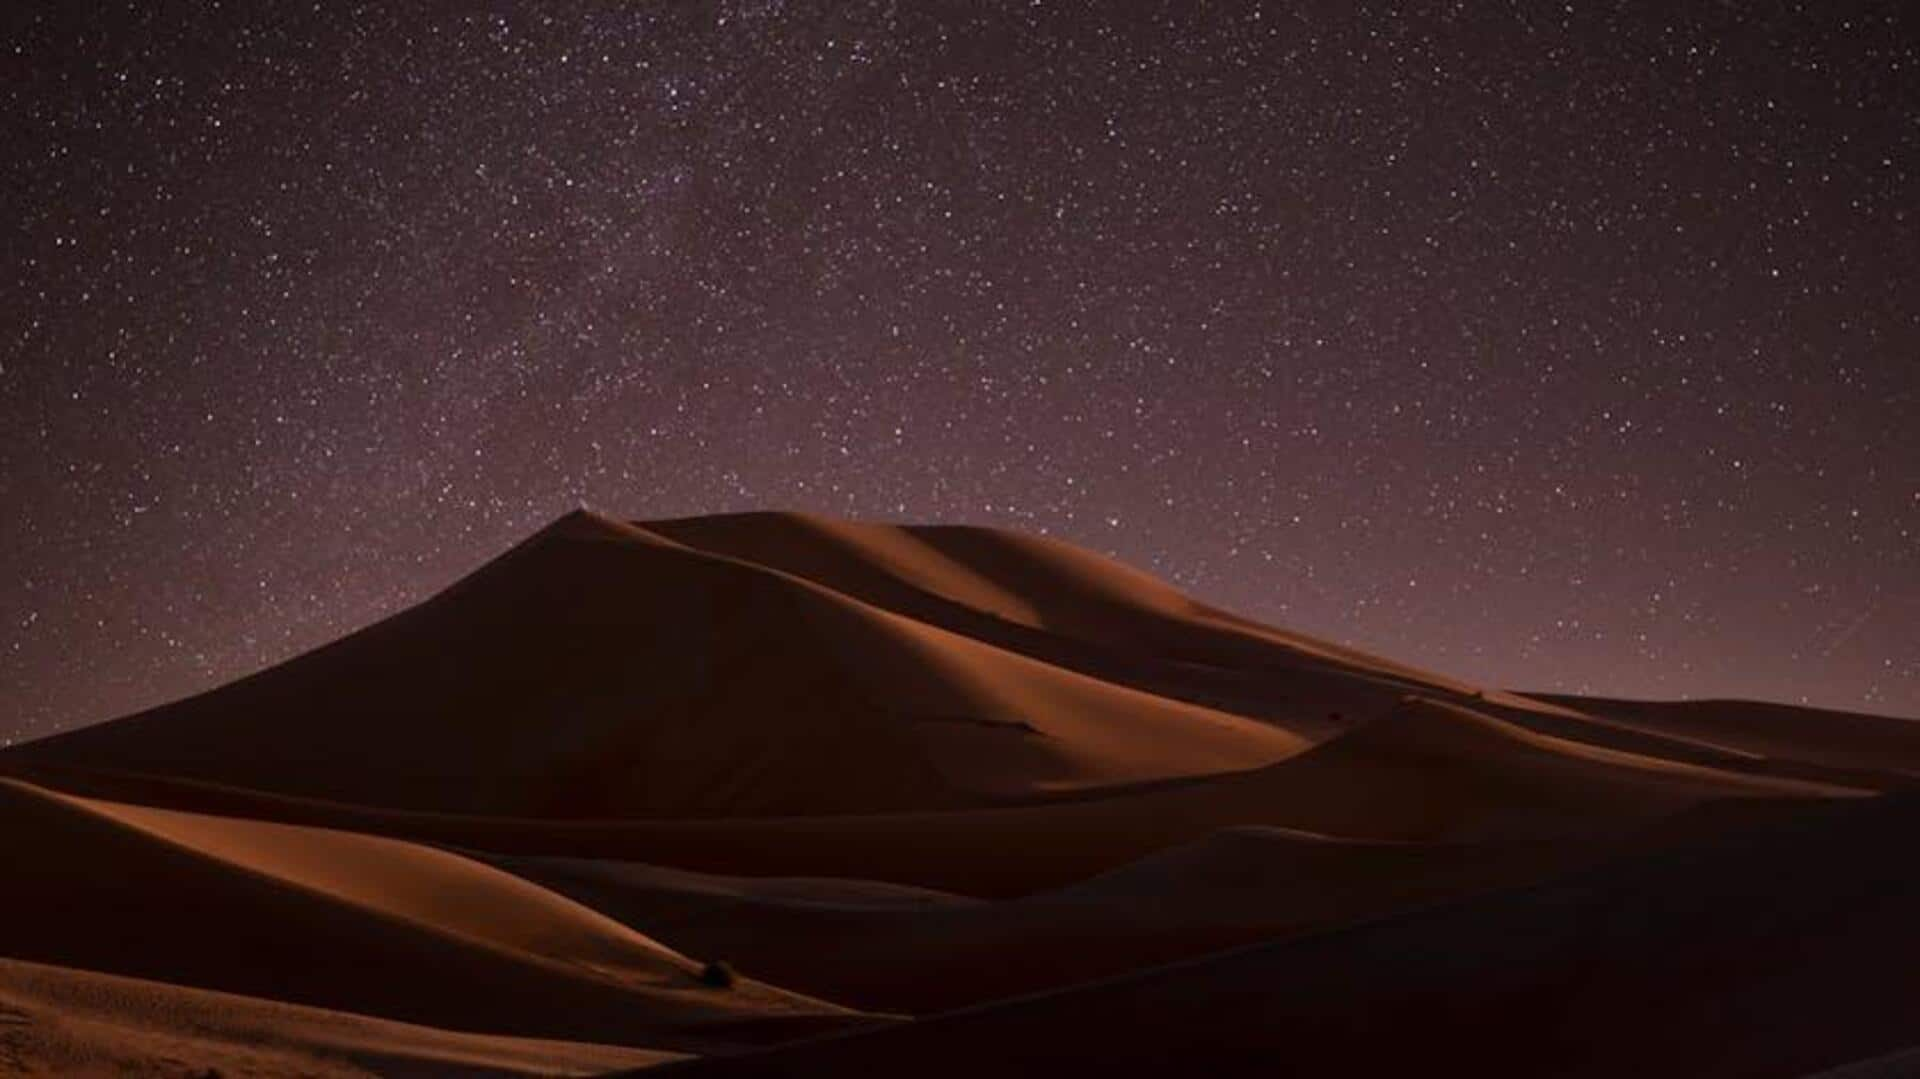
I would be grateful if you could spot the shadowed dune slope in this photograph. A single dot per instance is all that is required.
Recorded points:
(1427, 772)
(56, 1021)
(351, 922)
(598, 670)
(911, 951)
(1775, 952)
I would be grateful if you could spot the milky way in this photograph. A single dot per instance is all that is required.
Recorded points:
(1553, 349)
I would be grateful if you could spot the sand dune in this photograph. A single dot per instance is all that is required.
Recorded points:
(1030, 581)
(890, 770)
(1764, 954)
(1427, 772)
(55, 1021)
(597, 670)
(915, 951)
(351, 922)
(1071, 608)
(1434, 770)
(1839, 740)
(608, 670)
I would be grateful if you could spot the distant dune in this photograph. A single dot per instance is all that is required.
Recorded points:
(889, 771)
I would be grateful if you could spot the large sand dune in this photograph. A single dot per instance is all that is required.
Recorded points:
(598, 670)
(896, 770)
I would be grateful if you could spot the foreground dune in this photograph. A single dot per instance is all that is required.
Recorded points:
(913, 951)
(1771, 953)
(60, 1022)
(351, 922)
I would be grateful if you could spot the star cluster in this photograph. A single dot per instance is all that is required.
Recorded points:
(1552, 346)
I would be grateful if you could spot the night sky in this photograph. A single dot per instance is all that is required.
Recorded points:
(1548, 346)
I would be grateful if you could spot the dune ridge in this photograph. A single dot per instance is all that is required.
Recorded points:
(1026, 580)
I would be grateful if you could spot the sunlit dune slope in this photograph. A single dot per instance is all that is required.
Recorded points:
(57, 1021)
(351, 922)
(935, 572)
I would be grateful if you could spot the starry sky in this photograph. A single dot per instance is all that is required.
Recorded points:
(1552, 346)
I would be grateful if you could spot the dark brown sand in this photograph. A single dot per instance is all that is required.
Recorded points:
(886, 772)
